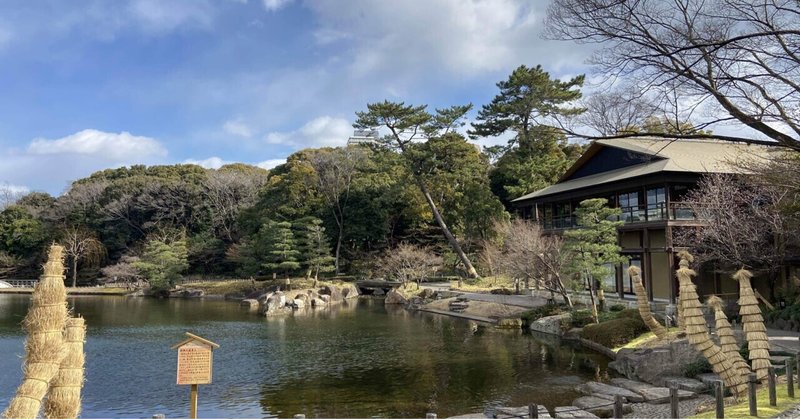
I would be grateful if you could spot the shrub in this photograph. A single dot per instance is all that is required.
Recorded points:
(581, 318)
(693, 369)
(617, 307)
(537, 313)
(614, 332)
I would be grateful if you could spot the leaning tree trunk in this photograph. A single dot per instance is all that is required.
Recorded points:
(727, 341)
(74, 271)
(44, 348)
(697, 330)
(753, 325)
(471, 272)
(644, 305)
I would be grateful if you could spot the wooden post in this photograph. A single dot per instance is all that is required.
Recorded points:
(719, 395)
(797, 365)
(789, 378)
(751, 393)
(193, 402)
(773, 399)
(617, 407)
(673, 401)
(533, 411)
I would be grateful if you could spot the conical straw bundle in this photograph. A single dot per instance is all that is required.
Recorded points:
(727, 340)
(44, 348)
(64, 396)
(753, 325)
(697, 331)
(644, 305)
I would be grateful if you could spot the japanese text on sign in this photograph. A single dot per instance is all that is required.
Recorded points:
(194, 364)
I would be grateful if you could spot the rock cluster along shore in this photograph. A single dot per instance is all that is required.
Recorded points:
(277, 302)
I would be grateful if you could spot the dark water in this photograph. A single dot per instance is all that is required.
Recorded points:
(353, 361)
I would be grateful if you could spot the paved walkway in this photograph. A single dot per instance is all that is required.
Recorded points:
(784, 340)
(526, 301)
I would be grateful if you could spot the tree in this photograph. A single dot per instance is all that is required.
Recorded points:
(743, 225)
(407, 124)
(280, 248)
(593, 245)
(124, 269)
(335, 170)
(408, 263)
(162, 263)
(315, 250)
(738, 55)
(530, 256)
(81, 244)
(529, 104)
(227, 192)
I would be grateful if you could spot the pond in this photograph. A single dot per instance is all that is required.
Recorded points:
(360, 359)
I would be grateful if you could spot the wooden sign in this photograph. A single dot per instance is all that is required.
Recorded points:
(195, 363)
(195, 360)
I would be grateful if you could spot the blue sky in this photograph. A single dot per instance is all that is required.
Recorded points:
(88, 85)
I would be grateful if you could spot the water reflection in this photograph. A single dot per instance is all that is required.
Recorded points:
(356, 359)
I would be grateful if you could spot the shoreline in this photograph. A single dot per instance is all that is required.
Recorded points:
(74, 291)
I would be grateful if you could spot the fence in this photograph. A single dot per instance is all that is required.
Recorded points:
(21, 283)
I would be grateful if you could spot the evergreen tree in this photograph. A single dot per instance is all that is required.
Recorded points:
(594, 244)
(280, 245)
(315, 249)
(162, 263)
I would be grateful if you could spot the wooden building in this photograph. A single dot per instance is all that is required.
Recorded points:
(646, 178)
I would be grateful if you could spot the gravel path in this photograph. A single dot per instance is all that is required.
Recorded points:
(686, 408)
(790, 414)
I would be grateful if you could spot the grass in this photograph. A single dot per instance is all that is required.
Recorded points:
(484, 284)
(641, 340)
(246, 286)
(742, 409)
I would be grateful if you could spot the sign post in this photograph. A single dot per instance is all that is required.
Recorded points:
(195, 360)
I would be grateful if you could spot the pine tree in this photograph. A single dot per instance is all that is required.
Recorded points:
(315, 248)
(594, 244)
(281, 251)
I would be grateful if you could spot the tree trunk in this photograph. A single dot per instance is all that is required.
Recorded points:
(471, 272)
(338, 248)
(591, 295)
(74, 271)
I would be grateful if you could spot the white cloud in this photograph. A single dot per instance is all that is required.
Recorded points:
(273, 5)
(324, 131)
(269, 164)
(209, 163)
(165, 16)
(238, 127)
(458, 37)
(108, 145)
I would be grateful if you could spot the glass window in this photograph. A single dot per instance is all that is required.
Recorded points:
(610, 279)
(627, 282)
(629, 204)
(656, 204)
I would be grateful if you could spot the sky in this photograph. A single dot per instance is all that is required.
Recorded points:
(87, 85)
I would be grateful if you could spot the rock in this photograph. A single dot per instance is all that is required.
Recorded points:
(333, 291)
(519, 412)
(249, 303)
(512, 323)
(600, 407)
(256, 295)
(298, 303)
(235, 296)
(378, 292)
(652, 364)
(186, 293)
(593, 388)
(349, 291)
(708, 379)
(303, 297)
(427, 294)
(274, 304)
(554, 325)
(572, 412)
(325, 297)
(262, 299)
(316, 302)
(685, 383)
(394, 297)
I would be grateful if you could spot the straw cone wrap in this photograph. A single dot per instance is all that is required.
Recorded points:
(727, 340)
(44, 348)
(753, 325)
(697, 331)
(64, 396)
(644, 305)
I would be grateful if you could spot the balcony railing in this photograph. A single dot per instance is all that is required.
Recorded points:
(639, 214)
